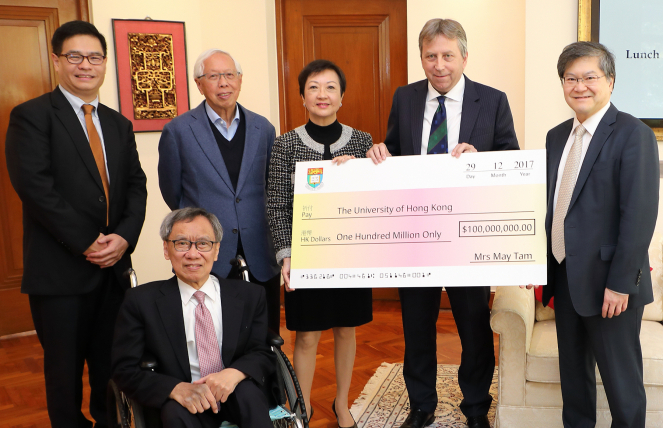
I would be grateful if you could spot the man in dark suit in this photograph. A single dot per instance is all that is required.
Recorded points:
(74, 164)
(446, 113)
(216, 156)
(603, 180)
(208, 335)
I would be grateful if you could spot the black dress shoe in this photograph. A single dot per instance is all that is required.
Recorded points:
(478, 422)
(418, 419)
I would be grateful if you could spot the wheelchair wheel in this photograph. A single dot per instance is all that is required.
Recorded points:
(119, 412)
(293, 392)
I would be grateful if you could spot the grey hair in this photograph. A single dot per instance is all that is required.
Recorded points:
(443, 27)
(187, 215)
(587, 49)
(199, 67)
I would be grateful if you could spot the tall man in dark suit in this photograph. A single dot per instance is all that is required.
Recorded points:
(216, 156)
(446, 113)
(74, 164)
(209, 335)
(603, 180)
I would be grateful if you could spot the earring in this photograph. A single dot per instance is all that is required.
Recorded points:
(340, 105)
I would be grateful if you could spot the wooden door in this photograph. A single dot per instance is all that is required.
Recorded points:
(25, 72)
(366, 38)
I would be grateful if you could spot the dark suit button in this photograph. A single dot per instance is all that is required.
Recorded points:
(102, 198)
(234, 230)
(237, 200)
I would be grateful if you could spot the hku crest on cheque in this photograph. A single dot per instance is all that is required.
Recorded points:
(314, 178)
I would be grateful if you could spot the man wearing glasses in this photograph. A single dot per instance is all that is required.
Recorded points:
(74, 164)
(603, 181)
(216, 157)
(208, 334)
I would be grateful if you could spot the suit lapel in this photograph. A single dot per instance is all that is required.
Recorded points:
(72, 124)
(470, 112)
(599, 138)
(232, 309)
(417, 108)
(111, 146)
(251, 144)
(200, 127)
(170, 310)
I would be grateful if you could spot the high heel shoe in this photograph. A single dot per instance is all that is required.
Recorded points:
(339, 425)
(310, 413)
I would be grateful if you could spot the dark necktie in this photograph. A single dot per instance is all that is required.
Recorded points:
(97, 151)
(438, 141)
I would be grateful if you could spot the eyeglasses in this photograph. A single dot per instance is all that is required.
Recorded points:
(588, 81)
(214, 77)
(73, 58)
(182, 245)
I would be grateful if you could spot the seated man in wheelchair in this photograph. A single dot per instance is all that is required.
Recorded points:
(207, 334)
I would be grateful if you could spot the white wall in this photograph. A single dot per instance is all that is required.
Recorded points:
(513, 45)
(549, 27)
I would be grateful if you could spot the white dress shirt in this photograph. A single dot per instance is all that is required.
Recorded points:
(228, 132)
(590, 125)
(77, 105)
(211, 288)
(454, 106)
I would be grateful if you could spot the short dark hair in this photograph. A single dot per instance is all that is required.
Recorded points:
(587, 49)
(187, 215)
(318, 66)
(75, 28)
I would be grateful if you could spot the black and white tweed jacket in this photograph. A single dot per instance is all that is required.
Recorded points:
(289, 148)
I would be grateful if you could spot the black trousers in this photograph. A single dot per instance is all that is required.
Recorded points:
(611, 343)
(420, 310)
(73, 330)
(245, 407)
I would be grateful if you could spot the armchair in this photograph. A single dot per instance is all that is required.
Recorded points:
(529, 393)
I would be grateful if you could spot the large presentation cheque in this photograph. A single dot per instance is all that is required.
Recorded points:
(421, 221)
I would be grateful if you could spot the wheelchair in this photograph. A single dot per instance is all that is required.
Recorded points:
(290, 411)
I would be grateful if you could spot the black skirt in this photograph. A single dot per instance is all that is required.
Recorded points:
(322, 309)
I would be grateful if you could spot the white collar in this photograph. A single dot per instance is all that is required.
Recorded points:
(591, 123)
(210, 288)
(456, 93)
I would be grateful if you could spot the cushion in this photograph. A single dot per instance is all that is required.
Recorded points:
(543, 365)
(544, 313)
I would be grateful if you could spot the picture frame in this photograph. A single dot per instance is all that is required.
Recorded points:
(152, 75)
(589, 22)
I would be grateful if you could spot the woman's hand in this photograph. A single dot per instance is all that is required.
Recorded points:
(338, 160)
(285, 271)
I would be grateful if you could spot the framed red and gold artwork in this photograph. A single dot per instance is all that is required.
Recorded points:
(152, 76)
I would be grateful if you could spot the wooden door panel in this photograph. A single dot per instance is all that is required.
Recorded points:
(25, 73)
(356, 50)
(362, 40)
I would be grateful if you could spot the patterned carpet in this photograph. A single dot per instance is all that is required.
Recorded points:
(384, 401)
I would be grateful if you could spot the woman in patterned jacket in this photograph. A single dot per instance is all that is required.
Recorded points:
(310, 311)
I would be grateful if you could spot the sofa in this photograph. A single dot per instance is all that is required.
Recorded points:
(529, 393)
